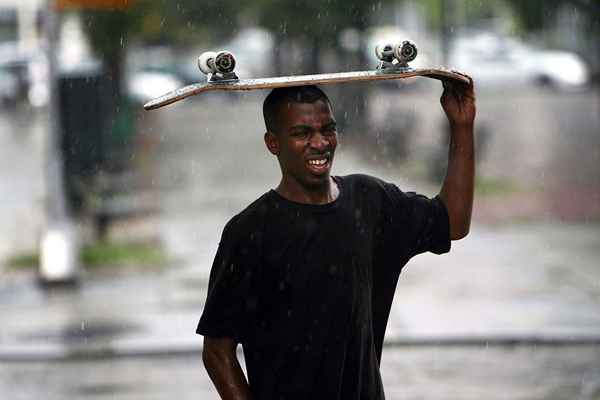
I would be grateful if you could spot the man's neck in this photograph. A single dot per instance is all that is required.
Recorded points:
(322, 194)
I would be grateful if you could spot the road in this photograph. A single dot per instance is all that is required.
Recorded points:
(433, 373)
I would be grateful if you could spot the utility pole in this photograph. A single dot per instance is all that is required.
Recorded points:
(26, 24)
(59, 249)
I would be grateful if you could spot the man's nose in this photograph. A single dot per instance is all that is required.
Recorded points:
(318, 141)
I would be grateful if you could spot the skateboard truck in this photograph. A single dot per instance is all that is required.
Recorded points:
(395, 57)
(218, 66)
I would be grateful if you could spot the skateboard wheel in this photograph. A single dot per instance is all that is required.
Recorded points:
(205, 60)
(405, 52)
(224, 62)
(384, 52)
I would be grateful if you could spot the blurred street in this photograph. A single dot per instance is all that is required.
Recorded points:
(520, 295)
(437, 373)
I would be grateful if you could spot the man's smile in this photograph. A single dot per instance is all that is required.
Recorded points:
(319, 164)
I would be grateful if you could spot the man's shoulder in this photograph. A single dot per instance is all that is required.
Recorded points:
(363, 182)
(249, 218)
(374, 189)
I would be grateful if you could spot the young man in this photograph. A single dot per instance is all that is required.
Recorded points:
(304, 277)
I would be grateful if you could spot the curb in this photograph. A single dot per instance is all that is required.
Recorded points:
(59, 352)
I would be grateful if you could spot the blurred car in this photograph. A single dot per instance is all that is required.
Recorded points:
(494, 59)
(144, 85)
(9, 87)
(23, 75)
(14, 72)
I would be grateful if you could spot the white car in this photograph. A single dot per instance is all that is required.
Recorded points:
(495, 60)
(146, 85)
(9, 87)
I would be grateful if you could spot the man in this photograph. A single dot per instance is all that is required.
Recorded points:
(304, 277)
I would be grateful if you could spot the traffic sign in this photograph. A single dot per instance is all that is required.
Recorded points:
(62, 5)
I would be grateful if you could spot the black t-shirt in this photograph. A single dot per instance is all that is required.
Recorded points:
(307, 289)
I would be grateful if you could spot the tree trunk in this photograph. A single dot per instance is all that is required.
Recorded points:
(312, 62)
(277, 67)
(352, 104)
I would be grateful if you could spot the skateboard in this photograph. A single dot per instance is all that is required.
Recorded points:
(220, 70)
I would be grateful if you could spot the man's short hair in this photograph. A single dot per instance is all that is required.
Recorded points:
(281, 96)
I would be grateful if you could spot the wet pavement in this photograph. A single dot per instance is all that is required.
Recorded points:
(432, 373)
(480, 293)
(513, 308)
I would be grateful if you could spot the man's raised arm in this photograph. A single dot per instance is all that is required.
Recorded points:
(458, 102)
(223, 367)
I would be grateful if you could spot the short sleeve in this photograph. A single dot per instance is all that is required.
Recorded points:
(229, 301)
(416, 223)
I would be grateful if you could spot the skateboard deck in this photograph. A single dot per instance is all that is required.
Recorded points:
(299, 80)
(219, 67)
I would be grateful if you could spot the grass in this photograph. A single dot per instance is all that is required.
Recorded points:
(492, 186)
(103, 255)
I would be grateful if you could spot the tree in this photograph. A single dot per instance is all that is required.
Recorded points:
(316, 25)
(155, 22)
(315, 28)
(537, 15)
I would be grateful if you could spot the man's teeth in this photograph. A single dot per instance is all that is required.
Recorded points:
(318, 162)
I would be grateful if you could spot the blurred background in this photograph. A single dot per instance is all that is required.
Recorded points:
(111, 215)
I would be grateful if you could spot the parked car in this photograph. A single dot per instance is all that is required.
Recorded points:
(494, 59)
(144, 85)
(9, 87)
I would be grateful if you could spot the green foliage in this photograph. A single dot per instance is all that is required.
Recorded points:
(26, 260)
(537, 14)
(310, 19)
(189, 21)
(534, 14)
(108, 31)
(159, 22)
(494, 186)
(123, 254)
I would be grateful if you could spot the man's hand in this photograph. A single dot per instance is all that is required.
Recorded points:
(458, 102)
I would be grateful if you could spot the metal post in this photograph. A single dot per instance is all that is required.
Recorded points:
(59, 251)
(27, 37)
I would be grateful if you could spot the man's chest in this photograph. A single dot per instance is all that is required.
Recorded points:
(305, 254)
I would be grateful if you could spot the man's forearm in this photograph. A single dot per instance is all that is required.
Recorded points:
(224, 369)
(458, 186)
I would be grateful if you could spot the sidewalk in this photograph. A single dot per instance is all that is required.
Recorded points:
(511, 319)
(502, 286)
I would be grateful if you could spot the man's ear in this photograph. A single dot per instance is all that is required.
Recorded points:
(272, 142)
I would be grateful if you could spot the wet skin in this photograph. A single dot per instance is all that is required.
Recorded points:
(305, 146)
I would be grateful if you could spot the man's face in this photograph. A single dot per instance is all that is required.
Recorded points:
(305, 143)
